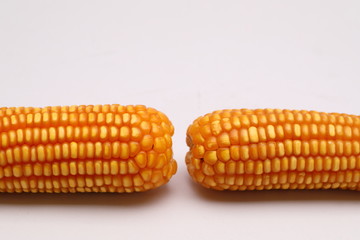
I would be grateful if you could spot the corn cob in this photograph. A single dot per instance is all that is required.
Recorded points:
(260, 149)
(102, 148)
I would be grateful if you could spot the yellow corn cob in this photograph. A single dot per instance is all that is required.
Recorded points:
(102, 148)
(259, 149)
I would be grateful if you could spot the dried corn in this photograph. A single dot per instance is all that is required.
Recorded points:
(259, 149)
(102, 148)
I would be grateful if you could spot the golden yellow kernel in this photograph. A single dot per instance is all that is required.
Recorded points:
(134, 148)
(258, 168)
(270, 132)
(288, 146)
(244, 153)
(12, 138)
(219, 167)
(210, 157)
(103, 133)
(159, 144)
(73, 150)
(17, 171)
(297, 147)
(147, 143)
(216, 128)
(276, 165)
(152, 158)
(253, 135)
(198, 151)
(156, 130)
(123, 167)
(94, 132)
(98, 150)
(211, 143)
(322, 147)
(114, 167)
(207, 169)
(230, 167)
(249, 167)
(280, 149)
(20, 136)
(161, 161)
(244, 136)
(138, 180)
(235, 152)
(310, 164)
(230, 180)
(146, 174)
(106, 150)
(126, 117)
(223, 154)
(288, 130)
(124, 151)
(100, 118)
(37, 119)
(314, 147)
(234, 136)
(262, 134)
(262, 151)
(224, 140)
(331, 148)
(64, 168)
(40, 151)
(279, 132)
(284, 164)
(47, 170)
(339, 147)
(297, 130)
(17, 154)
(209, 181)
(327, 162)
(196, 163)
(127, 181)
(141, 159)
(347, 148)
(116, 180)
(301, 164)
(245, 122)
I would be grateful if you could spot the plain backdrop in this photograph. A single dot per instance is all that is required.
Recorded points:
(185, 58)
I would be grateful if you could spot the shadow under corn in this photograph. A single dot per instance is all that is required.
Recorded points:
(96, 199)
(274, 195)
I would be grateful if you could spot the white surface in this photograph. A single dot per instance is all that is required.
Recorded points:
(185, 58)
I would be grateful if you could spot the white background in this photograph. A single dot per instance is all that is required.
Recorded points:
(185, 58)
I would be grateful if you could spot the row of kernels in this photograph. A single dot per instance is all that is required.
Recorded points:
(80, 120)
(94, 132)
(78, 183)
(32, 136)
(88, 150)
(309, 164)
(76, 167)
(292, 186)
(81, 150)
(73, 150)
(87, 169)
(104, 189)
(106, 108)
(348, 177)
(271, 150)
(70, 168)
(64, 119)
(214, 136)
(258, 117)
